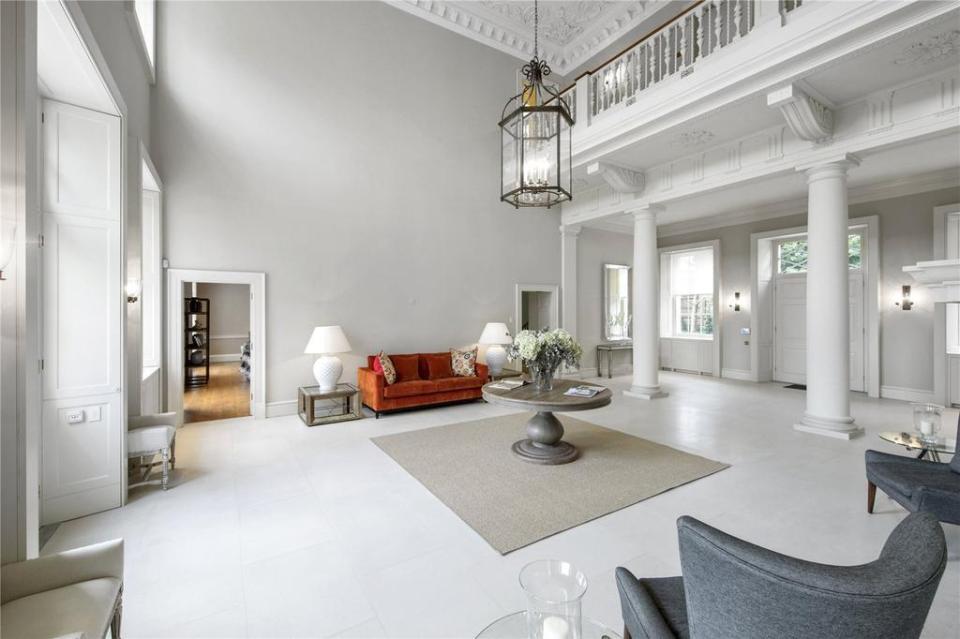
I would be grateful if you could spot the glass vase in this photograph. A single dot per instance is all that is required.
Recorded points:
(554, 591)
(926, 421)
(543, 373)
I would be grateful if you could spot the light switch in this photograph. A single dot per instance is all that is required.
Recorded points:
(93, 414)
(75, 416)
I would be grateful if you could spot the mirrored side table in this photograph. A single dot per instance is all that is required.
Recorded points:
(328, 407)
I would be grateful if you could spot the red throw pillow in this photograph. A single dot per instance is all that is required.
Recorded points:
(377, 366)
(439, 366)
(407, 367)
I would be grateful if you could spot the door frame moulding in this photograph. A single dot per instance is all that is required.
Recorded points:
(174, 352)
(718, 295)
(158, 245)
(520, 289)
(761, 300)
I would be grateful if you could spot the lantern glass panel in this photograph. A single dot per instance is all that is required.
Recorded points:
(510, 161)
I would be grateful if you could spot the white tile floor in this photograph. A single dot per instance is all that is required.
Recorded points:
(274, 529)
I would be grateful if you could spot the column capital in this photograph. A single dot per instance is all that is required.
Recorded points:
(645, 211)
(571, 230)
(836, 165)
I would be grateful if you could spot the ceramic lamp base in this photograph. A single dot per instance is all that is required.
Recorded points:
(496, 358)
(327, 369)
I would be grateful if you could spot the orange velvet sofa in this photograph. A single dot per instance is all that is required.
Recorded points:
(416, 388)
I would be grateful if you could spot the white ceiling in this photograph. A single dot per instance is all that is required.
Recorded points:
(571, 32)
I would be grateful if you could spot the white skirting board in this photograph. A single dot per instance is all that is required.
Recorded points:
(282, 408)
(906, 394)
(737, 373)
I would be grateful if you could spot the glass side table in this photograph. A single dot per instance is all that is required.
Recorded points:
(514, 626)
(929, 450)
(328, 407)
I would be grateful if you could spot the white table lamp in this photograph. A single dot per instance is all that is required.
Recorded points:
(495, 336)
(325, 341)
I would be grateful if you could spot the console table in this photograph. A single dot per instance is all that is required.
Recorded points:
(609, 348)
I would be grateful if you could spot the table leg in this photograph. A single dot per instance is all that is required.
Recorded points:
(544, 443)
(610, 365)
(599, 369)
(923, 453)
(934, 455)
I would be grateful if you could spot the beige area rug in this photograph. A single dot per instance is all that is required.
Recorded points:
(512, 503)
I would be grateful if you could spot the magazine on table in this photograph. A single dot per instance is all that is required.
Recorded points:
(508, 384)
(583, 390)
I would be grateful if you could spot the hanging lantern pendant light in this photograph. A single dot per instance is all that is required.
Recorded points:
(535, 138)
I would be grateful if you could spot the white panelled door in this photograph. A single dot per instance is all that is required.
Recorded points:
(83, 313)
(790, 329)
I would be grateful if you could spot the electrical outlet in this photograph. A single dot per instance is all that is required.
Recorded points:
(93, 414)
(75, 416)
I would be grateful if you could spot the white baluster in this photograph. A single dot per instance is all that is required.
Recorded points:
(717, 25)
(702, 30)
(682, 59)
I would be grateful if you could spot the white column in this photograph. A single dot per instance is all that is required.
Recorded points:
(646, 306)
(568, 277)
(828, 305)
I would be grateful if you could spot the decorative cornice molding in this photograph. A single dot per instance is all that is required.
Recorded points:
(807, 117)
(571, 32)
(694, 138)
(618, 178)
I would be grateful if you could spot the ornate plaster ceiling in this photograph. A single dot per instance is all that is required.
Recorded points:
(571, 32)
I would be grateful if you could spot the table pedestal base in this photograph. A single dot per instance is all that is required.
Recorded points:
(543, 444)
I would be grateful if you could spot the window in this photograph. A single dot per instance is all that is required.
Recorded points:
(792, 254)
(144, 13)
(687, 294)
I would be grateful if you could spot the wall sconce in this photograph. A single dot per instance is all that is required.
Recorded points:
(905, 303)
(736, 302)
(8, 233)
(133, 290)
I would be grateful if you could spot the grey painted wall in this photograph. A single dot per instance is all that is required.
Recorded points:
(351, 152)
(594, 249)
(906, 236)
(229, 316)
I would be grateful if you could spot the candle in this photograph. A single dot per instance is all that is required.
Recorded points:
(555, 628)
(926, 427)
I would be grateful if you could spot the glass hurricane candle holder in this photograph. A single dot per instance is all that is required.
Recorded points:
(554, 591)
(926, 421)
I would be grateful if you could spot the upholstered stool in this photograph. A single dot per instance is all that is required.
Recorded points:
(150, 435)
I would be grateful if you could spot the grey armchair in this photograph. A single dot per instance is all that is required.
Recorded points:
(732, 589)
(916, 484)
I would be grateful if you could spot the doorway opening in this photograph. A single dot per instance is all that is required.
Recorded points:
(217, 351)
(537, 307)
(215, 344)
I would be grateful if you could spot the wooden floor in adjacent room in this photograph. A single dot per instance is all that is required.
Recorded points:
(226, 395)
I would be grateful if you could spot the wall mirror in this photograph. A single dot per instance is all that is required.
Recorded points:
(617, 305)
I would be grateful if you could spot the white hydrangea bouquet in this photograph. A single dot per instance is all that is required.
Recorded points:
(544, 351)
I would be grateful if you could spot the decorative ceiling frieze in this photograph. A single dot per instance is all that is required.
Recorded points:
(571, 32)
(694, 138)
(934, 49)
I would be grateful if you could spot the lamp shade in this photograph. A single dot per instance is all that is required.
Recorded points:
(495, 333)
(327, 339)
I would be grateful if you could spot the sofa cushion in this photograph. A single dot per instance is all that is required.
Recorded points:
(439, 366)
(458, 383)
(85, 607)
(387, 368)
(410, 388)
(407, 367)
(464, 362)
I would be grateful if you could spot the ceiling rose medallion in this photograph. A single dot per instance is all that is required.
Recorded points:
(535, 149)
